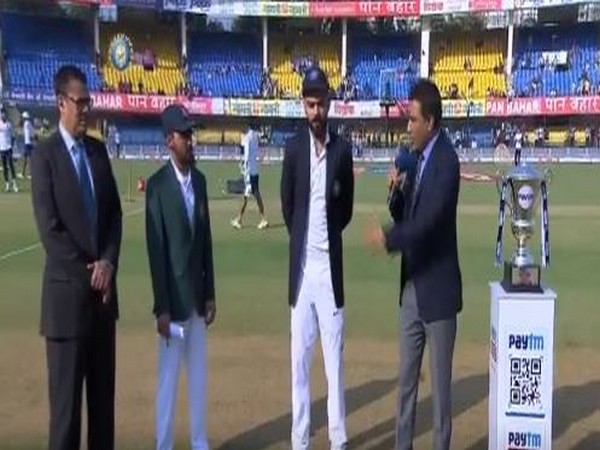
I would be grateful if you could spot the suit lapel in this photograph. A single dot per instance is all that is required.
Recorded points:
(178, 202)
(427, 171)
(304, 165)
(199, 199)
(330, 155)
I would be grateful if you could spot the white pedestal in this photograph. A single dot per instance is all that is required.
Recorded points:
(521, 369)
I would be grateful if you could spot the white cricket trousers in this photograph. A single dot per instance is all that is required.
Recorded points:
(315, 312)
(192, 349)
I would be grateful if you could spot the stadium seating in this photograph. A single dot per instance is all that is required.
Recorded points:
(581, 44)
(37, 46)
(286, 54)
(372, 56)
(225, 64)
(473, 62)
(220, 134)
(167, 76)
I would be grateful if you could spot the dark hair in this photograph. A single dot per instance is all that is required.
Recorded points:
(428, 95)
(64, 75)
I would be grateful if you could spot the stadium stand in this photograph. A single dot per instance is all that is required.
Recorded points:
(162, 75)
(36, 46)
(370, 55)
(229, 67)
(225, 134)
(289, 57)
(469, 66)
(557, 61)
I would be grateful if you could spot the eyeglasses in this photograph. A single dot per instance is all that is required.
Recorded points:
(80, 103)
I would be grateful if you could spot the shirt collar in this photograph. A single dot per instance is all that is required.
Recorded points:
(69, 141)
(183, 179)
(429, 147)
(313, 143)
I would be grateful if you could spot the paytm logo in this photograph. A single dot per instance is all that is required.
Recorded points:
(518, 440)
(526, 341)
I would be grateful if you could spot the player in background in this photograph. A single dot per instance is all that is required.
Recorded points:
(28, 140)
(6, 145)
(251, 163)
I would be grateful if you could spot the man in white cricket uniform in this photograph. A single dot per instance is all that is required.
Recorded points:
(6, 152)
(251, 178)
(28, 140)
(317, 192)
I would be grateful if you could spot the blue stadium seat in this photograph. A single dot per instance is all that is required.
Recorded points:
(225, 64)
(369, 55)
(37, 46)
(580, 42)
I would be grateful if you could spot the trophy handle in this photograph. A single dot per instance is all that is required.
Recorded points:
(499, 178)
(548, 175)
(499, 181)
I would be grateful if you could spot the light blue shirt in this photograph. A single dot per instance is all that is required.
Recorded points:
(187, 190)
(71, 145)
(427, 152)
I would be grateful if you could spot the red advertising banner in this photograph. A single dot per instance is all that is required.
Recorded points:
(543, 106)
(365, 8)
(152, 104)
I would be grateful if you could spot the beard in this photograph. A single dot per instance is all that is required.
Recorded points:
(318, 127)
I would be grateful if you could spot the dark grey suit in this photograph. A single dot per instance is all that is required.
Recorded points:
(431, 289)
(79, 329)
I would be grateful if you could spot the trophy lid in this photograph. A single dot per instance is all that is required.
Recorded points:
(525, 172)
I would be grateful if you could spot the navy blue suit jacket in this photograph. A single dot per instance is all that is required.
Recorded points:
(427, 238)
(295, 200)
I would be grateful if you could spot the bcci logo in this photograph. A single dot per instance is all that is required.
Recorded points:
(120, 52)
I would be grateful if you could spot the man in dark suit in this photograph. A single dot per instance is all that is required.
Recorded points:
(179, 247)
(317, 192)
(431, 288)
(78, 214)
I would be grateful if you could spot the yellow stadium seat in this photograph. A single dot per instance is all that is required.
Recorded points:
(283, 51)
(229, 135)
(483, 53)
(167, 75)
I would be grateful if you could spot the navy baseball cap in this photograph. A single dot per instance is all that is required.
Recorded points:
(177, 118)
(405, 161)
(315, 82)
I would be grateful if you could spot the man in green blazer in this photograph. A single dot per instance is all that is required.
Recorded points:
(179, 246)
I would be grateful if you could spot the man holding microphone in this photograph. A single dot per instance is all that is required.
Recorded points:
(424, 232)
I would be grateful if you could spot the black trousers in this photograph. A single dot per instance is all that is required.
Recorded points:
(8, 163)
(70, 361)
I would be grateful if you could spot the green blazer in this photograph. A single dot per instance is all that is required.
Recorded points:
(181, 261)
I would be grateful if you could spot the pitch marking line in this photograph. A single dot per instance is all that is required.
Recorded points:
(37, 245)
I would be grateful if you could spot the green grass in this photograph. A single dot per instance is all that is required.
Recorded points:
(251, 266)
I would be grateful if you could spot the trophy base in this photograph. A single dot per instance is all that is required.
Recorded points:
(521, 279)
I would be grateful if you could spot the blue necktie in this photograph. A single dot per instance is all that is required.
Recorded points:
(87, 194)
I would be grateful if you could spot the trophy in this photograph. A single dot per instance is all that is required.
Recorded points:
(520, 190)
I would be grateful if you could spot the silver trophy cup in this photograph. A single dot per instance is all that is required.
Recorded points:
(521, 190)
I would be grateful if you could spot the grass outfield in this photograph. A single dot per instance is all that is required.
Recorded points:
(250, 336)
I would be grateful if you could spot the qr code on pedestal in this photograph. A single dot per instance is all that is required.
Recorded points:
(526, 382)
